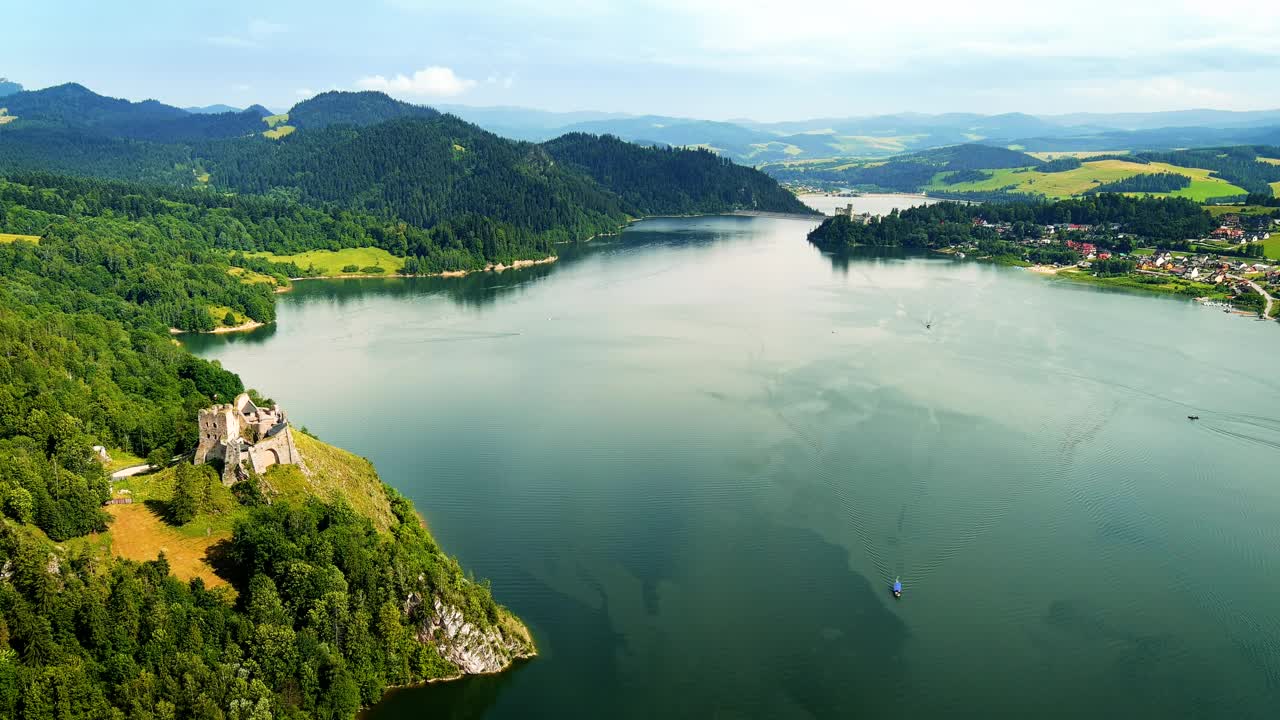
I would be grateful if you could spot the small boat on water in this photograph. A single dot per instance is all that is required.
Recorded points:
(897, 588)
(1193, 417)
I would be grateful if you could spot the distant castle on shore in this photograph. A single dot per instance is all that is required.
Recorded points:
(245, 437)
(848, 212)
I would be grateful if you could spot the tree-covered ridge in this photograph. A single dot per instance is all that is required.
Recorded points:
(947, 223)
(427, 172)
(655, 181)
(75, 106)
(353, 108)
(1145, 183)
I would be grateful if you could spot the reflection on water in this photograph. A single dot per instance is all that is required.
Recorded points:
(694, 456)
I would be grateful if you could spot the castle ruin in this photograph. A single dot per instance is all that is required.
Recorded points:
(245, 437)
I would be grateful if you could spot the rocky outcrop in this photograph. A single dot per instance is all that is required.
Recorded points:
(474, 650)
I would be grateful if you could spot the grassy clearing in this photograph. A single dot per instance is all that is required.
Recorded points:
(1217, 210)
(330, 262)
(1275, 189)
(138, 533)
(334, 473)
(219, 312)
(10, 237)
(1088, 176)
(278, 132)
(1271, 246)
(1269, 161)
(202, 177)
(274, 120)
(249, 277)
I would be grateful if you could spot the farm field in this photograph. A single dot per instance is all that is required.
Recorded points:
(1217, 210)
(331, 262)
(278, 131)
(1087, 176)
(1080, 154)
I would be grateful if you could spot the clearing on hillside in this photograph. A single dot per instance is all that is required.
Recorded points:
(274, 120)
(1090, 175)
(10, 237)
(332, 262)
(138, 533)
(335, 473)
(278, 132)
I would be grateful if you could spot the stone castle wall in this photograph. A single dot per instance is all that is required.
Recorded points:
(221, 439)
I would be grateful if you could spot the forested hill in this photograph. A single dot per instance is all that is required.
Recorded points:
(75, 107)
(656, 181)
(353, 108)
(426, 171)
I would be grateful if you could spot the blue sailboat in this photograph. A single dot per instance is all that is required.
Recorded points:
(897, 587)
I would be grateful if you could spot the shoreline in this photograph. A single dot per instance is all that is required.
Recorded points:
(491, 267)
(243, 327)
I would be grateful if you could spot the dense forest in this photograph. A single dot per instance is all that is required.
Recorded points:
(1145, 183)
(327, 608)
(657, 181)
(947, 223)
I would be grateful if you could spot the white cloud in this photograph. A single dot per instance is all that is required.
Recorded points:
(304, 92)
(257, 31)
(434, 81)
(241, 87)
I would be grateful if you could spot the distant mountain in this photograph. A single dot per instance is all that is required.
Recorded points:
(353, 108)
(1171, 119)
(74, 106)
(214, 109)
(8, 87)
(879, 136)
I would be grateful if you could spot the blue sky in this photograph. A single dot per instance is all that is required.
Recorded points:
(701, 58)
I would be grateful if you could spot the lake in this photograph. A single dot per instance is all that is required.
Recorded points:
(694, 456)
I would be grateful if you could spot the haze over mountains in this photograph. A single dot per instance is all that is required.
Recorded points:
(885, 135)
(744, 141)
